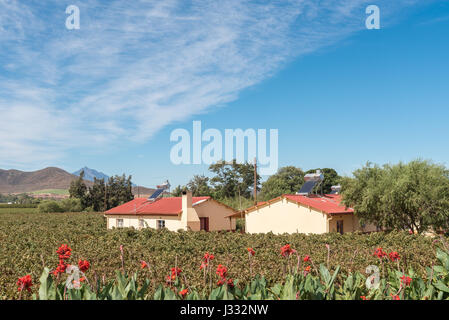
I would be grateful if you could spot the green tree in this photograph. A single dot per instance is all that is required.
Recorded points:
(199, 186)
(177, 192)
(97, 195)
(232, 179)
(78, 190)
(118, 191)
(286, 180)
(412, 195)
(331, 178)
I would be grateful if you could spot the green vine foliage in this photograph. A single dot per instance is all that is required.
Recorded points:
(28, 243)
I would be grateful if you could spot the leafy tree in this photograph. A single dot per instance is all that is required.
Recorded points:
(331, 178)
(412, 196)
(286, 180)
(118, 191)
(199, 186)
(97, 195)
(177, 192)
(233, 179)
(78, 189)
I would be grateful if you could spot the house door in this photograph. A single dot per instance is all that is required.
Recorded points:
(340, 226)
(204, 223)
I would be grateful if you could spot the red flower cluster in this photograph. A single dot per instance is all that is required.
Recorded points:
(395, 297)
(364, 298)
(222, 271)
(83, 265)
(307, 269)
(207, 257)
(394, 256)
(174, 273)
(143, 264)
(64, 252)
(183, 292)
(379, 253)
(406, 280)
(251, 251)
(286, 250)
(24, 283)
(306, 258)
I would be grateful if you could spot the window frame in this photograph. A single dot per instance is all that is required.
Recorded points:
(158, 224)
(120, 221)
(339, 224)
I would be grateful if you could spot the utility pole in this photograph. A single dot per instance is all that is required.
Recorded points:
(255, 181)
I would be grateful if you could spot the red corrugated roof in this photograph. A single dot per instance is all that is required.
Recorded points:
(163, 206)
(329, 203)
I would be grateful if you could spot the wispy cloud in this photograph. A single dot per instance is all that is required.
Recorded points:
(135, 67)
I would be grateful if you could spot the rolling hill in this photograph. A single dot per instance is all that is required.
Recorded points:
(16, 181)
(51, 178)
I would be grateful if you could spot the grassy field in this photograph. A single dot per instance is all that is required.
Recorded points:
(28, 241)
(62, 192)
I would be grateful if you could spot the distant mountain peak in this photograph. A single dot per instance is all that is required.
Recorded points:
(90, 174)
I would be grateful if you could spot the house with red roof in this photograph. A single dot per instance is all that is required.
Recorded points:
(173, 213)
(293, 213)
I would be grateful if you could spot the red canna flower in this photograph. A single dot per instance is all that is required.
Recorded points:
(24, 283)
(221, 282)
(394, 256)
(286, 250)
(82, 279)
(222, 271)
(379, 253)
(363, 298)
(306, 258)
(230, 283)
(143, 264)
(206, 259)
(64, 252)
(307, 269)
(83, 265)
(406, 280)
(251, 251)
(183, 292)
(60, 268)
(175, 272)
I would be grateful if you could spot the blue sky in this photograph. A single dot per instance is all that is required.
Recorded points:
(109, 95)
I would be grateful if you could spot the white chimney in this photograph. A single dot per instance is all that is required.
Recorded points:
(186, 200)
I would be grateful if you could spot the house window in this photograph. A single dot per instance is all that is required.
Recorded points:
(340, 226)
(141, 223)
(204, 223)
(119, 223)
(160, 224)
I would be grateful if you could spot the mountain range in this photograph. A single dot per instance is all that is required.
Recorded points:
(90, 174)
(16, 181)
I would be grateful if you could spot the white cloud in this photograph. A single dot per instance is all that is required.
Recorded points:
(135, 67)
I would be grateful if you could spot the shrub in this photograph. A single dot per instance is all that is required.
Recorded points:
(48, 206)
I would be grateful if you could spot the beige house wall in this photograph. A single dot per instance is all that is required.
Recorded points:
(288, 217)
(172, 223)
(285, 217)
(351, 223)
(217, 215)
(190, 221)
